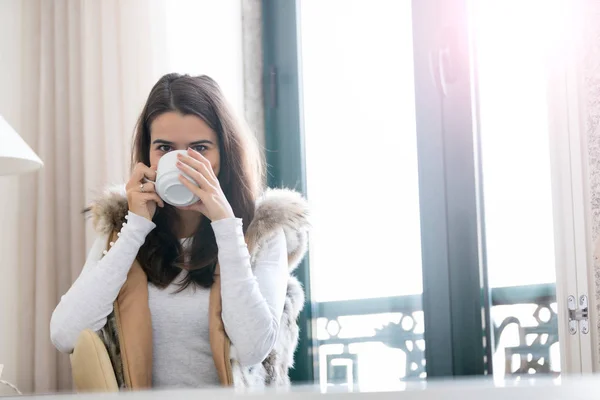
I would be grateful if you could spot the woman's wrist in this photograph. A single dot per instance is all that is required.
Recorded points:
(228, 232)
(225, 213)
(139, 223)
(136, 227)
(226, 225)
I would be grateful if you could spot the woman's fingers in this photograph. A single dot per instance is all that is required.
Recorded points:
(199, 163)
(153, 197)
(196, 175)
(148, 173)
(141, 192)
(141, 171)
(198, 157)
(147, 187)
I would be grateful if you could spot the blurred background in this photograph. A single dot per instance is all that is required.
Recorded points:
(449, 149)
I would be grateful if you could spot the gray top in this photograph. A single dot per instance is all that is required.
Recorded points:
(182, 355)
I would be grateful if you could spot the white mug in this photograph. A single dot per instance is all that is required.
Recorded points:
(168, 186)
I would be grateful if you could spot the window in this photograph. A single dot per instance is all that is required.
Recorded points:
(419, 132)
(361, 176)
(515, 155)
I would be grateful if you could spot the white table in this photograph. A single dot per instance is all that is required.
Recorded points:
(479, 389)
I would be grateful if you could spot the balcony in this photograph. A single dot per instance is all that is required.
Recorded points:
(359, 340)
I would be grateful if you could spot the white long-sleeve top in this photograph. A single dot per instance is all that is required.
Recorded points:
(252, 301)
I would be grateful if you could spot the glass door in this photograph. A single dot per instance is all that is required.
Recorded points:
(362, 183)
(513, 86)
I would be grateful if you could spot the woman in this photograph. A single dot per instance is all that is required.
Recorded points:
(176, 286)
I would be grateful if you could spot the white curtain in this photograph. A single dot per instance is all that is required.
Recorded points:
(87, 67)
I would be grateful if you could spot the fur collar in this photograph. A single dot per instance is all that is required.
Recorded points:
(276, 208)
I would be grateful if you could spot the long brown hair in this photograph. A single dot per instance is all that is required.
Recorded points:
(240, 176)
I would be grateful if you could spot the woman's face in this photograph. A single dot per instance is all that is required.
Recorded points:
(173, 131)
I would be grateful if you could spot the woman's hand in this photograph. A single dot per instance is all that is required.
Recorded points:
(141, 194)
(213, 204)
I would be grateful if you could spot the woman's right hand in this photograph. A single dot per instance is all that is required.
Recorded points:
(141, 194)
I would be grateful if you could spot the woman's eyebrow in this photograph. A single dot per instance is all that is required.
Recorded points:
(197, 142)
(161, 141)
(206, 141)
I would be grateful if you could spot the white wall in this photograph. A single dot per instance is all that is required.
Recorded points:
(10, 77)
(204, 37)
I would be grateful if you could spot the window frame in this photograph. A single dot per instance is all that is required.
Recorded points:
(451, 232)
(284, 142)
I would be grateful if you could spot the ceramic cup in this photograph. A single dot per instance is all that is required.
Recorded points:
(168, 186)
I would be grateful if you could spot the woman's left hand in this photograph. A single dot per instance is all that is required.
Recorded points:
(213, 204)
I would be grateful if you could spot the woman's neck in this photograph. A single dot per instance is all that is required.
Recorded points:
(188, 223)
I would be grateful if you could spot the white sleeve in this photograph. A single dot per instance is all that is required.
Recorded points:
(90, 299)
(252, 300)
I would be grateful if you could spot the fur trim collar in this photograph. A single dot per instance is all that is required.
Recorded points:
(277, 208)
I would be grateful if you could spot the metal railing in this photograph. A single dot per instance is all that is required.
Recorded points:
(525, 328)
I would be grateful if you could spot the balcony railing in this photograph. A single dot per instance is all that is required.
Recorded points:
(351, 333)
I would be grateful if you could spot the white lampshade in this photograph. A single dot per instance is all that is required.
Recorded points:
(16, 156)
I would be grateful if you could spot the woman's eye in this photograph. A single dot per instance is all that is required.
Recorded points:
(164, 148)
(200, 148)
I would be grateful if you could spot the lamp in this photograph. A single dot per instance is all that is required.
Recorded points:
(13, 388)
(16, 156)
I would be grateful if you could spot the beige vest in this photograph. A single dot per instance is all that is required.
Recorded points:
(92, 363)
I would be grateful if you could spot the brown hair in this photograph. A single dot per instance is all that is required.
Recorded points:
(240, 176)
